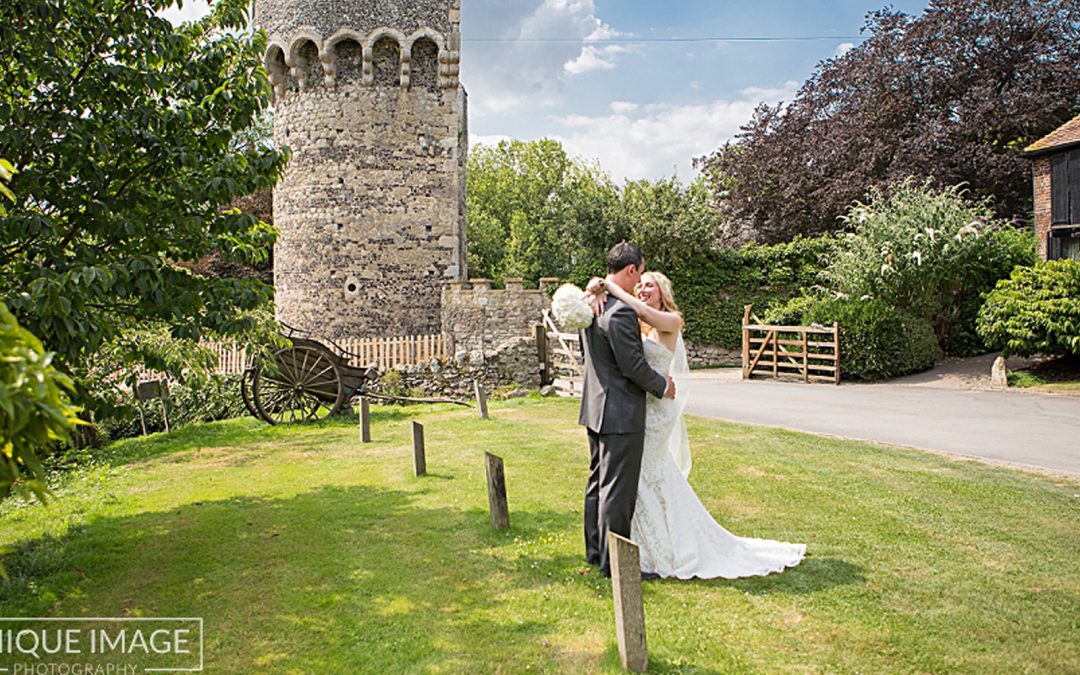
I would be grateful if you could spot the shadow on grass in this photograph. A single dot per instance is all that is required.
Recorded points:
(240, 432)
(332, 580)
(810, 576)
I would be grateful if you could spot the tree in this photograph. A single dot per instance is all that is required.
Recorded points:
(123, 129)
(952, 95)
(34, 410)
(533, 211)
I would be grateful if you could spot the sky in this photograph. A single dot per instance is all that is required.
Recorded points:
(637, 85)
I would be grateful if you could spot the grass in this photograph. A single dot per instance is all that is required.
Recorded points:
(1056, 376)
(307, 551)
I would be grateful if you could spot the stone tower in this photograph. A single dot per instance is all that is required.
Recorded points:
(371, 210)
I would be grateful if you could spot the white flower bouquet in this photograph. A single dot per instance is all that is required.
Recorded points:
(571, 308)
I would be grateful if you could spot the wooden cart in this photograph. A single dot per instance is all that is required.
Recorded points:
(310, 380)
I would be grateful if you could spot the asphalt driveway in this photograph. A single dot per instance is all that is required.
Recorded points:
(1025, 429)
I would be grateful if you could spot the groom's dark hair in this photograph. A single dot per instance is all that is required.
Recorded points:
(622, 254)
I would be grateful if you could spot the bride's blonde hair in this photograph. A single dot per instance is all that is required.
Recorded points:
(663, 284)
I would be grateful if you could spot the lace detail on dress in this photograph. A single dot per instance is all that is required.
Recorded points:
(675, 533)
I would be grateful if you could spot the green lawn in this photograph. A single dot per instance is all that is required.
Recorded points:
(307, 551)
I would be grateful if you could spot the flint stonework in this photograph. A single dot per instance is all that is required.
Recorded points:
(371, 210)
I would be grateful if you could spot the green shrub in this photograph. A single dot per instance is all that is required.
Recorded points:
(35, 414)
(931, 253)
(876, 341)
(713, 287)
(216, 398)
(1035, 310)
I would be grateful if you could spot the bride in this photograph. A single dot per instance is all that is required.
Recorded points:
(675, 533)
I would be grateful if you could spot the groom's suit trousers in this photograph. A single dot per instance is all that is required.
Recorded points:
(611, 493)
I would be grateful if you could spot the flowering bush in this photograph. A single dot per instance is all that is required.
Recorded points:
(931, 253)
(571, 308)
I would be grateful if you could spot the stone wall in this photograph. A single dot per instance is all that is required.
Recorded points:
(478, 317)
(371, 210)
(701, 356)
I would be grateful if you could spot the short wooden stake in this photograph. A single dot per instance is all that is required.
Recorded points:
(496, 481)
(365, 421)
(419, 462)
(629, 603)
(481, 399)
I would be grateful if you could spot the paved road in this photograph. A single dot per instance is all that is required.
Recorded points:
(1031, 430)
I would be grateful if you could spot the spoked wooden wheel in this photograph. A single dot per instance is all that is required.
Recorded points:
(303, 385)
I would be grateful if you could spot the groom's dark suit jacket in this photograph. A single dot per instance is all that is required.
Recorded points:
(616, 373)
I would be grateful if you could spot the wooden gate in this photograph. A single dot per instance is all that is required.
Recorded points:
(562, 359)
(810, 353)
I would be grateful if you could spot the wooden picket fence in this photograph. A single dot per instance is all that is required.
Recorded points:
(385, 353)
(792, 351)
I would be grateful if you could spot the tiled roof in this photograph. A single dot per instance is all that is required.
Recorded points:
(1066, 134)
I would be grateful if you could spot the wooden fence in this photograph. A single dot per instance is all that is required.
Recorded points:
(383, 352)
(811, 353)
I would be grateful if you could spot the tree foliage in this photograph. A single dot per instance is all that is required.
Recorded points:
(34, 409)
(124, 131)
(533, 211)
(1035, 311)
(953, 95)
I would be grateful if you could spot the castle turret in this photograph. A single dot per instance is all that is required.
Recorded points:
(371, 210)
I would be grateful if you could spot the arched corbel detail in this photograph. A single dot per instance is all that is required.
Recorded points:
(407, 49)
(369, 53)
(297, 64)
(275, 70)
(328, 56)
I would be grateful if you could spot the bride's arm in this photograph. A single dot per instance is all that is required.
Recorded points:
(665, 322)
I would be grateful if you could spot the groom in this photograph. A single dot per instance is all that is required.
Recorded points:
(613, 409)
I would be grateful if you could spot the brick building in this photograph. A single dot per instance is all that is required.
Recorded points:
(1056, 179)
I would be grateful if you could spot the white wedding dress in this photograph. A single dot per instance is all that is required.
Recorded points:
(674, 532)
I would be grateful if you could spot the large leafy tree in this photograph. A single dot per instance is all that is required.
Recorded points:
(952, 95)
(534, 211)
(122, 127)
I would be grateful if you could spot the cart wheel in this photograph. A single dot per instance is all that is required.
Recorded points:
(303, 385)
(247, 380)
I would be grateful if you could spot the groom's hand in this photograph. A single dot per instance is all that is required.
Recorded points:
(670, 393)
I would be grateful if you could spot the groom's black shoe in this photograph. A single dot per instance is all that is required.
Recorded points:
(650, 576)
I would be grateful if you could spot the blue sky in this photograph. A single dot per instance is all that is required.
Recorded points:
(610, 93)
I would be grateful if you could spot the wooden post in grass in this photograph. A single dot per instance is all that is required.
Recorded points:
(365, 421)
(746, 343)
(419, 461)
(629, 603)
(540, 332)
(496, 482)
(481, 399)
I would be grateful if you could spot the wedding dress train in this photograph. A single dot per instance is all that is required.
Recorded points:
(675, 533)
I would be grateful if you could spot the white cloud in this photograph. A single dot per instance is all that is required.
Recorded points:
(193, 9)
(843, 48)
(772, 94)
(594, 57)
(527, 68)
(623, 106)
(490, 140)
(658, 139)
